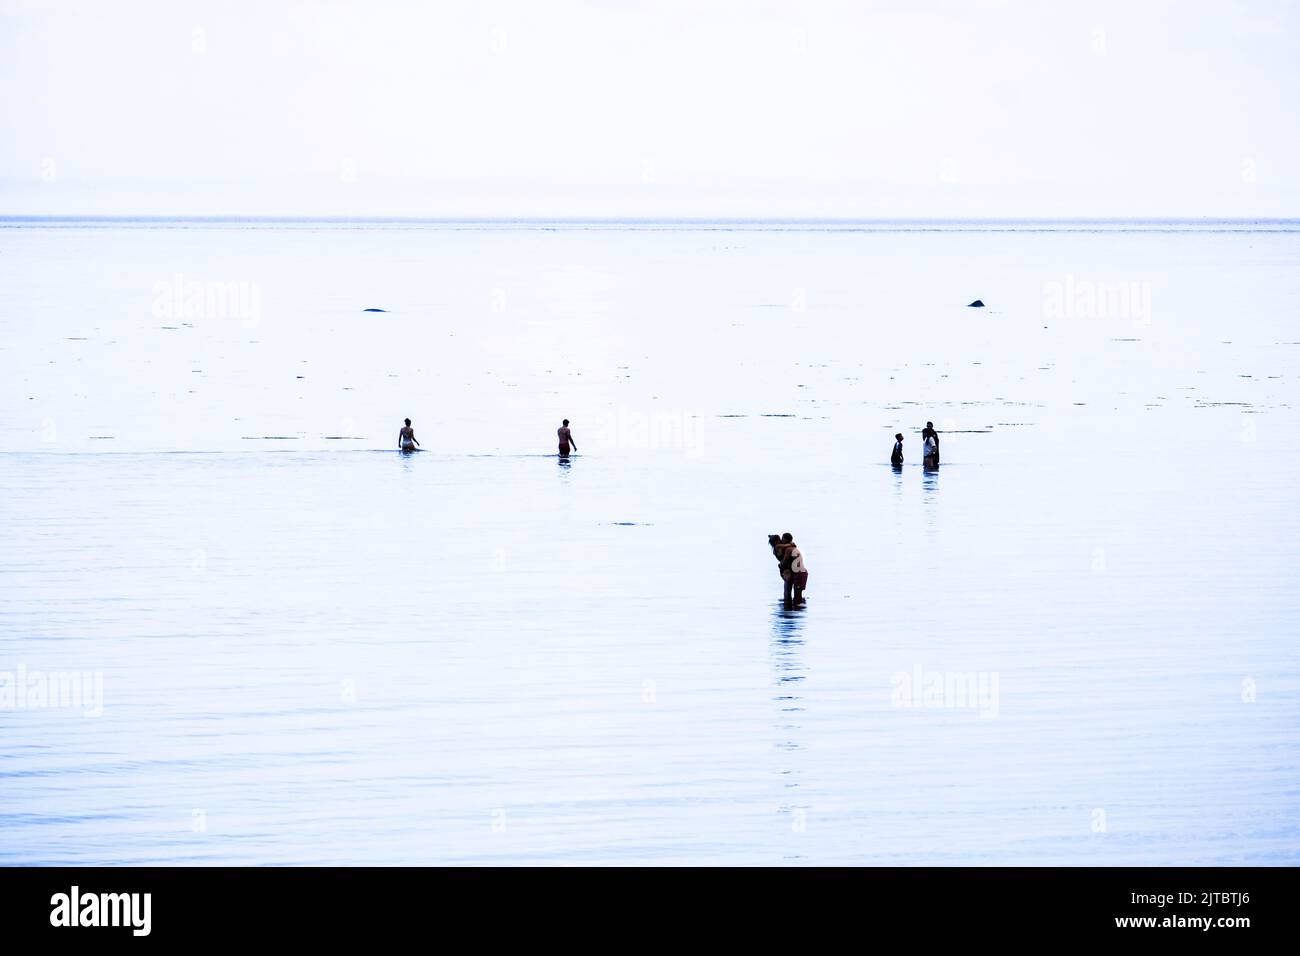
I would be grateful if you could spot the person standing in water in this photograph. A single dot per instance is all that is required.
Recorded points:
(793, 571)
(897, 457)
(782, 564)
(931, 439)
(930, 454)
(566, 439)
(406, 437)
(782, 551)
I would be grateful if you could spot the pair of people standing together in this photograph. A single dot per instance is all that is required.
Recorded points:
(794, 572)
(929, 450)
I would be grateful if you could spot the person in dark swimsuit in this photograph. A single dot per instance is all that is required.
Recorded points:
(897, 457)
(566, 439)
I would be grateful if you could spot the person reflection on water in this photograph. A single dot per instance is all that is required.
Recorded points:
(406, 438)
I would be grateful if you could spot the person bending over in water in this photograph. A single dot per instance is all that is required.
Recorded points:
(783, 562)
(774, 542)
(897, 457)
(406, 438)
(781, 548)
(566, 439)
(778, 550)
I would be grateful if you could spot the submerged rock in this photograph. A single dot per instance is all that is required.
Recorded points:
(977, 304)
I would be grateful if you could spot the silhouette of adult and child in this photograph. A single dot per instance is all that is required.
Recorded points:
(929, 448)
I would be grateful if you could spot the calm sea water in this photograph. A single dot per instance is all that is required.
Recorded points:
(312, 649)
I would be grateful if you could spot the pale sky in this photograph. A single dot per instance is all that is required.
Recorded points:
(914, 108)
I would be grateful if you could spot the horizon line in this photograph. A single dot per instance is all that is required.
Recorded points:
(272, 217)
(1275, 224)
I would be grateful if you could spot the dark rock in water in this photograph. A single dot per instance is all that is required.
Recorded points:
(977, 304)
(374, 310)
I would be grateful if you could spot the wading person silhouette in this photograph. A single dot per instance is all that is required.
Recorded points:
(931, 439)
(406, 438)
(794, 573)
(566, 439)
